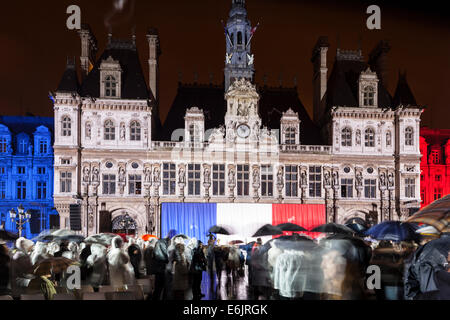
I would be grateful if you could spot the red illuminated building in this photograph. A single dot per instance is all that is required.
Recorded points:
(435, 164)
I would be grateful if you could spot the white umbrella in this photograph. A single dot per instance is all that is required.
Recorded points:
(428, 230)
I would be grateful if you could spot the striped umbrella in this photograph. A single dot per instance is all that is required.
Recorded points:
(436, 214)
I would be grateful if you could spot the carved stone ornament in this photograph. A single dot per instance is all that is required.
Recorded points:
(122, 177)
(327, 178)
(382, 179)
(181, 175)
(391, 180)
(95, 175)
(358, 137)
(156, 175)
(86, 176)
(148, 175)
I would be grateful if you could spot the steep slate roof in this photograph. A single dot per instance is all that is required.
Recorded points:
(133, 80)
(69, 81)
(342, 87)
(211, 99)
(28, 125)
(403, 94)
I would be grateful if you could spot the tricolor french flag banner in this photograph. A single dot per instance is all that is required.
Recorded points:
(241, 219)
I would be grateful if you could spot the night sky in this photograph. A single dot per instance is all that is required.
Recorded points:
(35, 43)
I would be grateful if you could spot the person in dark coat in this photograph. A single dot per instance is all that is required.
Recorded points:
(135, 258)
(158, 267)
(422, 277)
(148, 257)
(198, 265)
(5, 260)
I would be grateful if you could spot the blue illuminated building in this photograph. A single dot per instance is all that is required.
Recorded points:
(26, 171)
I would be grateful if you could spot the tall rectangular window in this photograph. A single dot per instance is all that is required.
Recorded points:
(436, 156)
(266, 181)
(194, 179)
(2, 189)
(370, 188)
(3, 145)
(42, 146)
(65, 182)
(169, 179)
(134, 184)
(2, 170)
(21, 170)
(42, 190)
(41, 170)
(410, 187)
(243, 179)
(291, 177)
(437, 193)
(437, 177)
(218, 179)
(109, 184)
(347, 188)
(21, 189)
(315, 181)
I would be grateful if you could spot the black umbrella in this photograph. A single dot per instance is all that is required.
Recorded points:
(268, 230)
(333, 228)
(358, 228)
(219, 230)
(8, 236)
(291, 227)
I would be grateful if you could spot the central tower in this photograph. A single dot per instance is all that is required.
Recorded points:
(238, 33)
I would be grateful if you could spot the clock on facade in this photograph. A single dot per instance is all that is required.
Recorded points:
(243, 131)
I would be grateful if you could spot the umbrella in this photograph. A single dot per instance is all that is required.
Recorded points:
(219, 230)
(101, 238)
(291, 227)
(333, 228)
(63, 233)
(393, 231)
(147, 237)
(356, 227)
(236, 242)
(268, 230)
(436, 214)
(8, 236)
(52, 265)
(71, 238)
(428, 231)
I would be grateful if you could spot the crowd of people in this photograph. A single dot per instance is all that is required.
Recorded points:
(289, 267)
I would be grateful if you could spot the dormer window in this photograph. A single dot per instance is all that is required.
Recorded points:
(346, 137)
(23, 146)
(43, 146)
(110, 75)
(290, 135)
(369, 137)
(110, 87)
(135, 131)
(3, 145)
(368, 84)
(369, 96)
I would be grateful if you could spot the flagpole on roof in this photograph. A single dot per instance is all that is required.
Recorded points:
(227, 34)
(252, 32)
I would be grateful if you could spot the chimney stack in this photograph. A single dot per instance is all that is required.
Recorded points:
(153, 61)
(320, 73)
(88, 49)
(378, 61)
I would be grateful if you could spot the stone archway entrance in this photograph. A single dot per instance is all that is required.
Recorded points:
(124, 224)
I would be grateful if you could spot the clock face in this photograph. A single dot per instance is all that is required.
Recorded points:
(243, 131)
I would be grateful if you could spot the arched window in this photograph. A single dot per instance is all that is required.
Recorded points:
(289, 136)
(66, 126)
(135, 131)
(110, 130)
(409, 136)
(110, 86)
(369, 137)
(23, 146)
(388, 138)
(346, 137)
(3, 145)
(369, 96)
(239, 37)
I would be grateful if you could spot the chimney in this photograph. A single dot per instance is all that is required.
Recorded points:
(154, 53)
(320, 71)
(88, 49)
(378, 61)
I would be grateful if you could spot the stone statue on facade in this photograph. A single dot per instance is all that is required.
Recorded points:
(335, 178)
(255, 177)
(327, 178)
(181, 176)
(207, 175)
(95, 175)
(121, 174)
(86, 174)
(383, 179)
(303, 180)
(148, 175)
(359, 179)
(358, 137)
(122, 131)
(391, 180)
(280, 180)
(231, 178)
(88, 130)
(156, 175)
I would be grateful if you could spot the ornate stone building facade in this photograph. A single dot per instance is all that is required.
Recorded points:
(245, 148)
